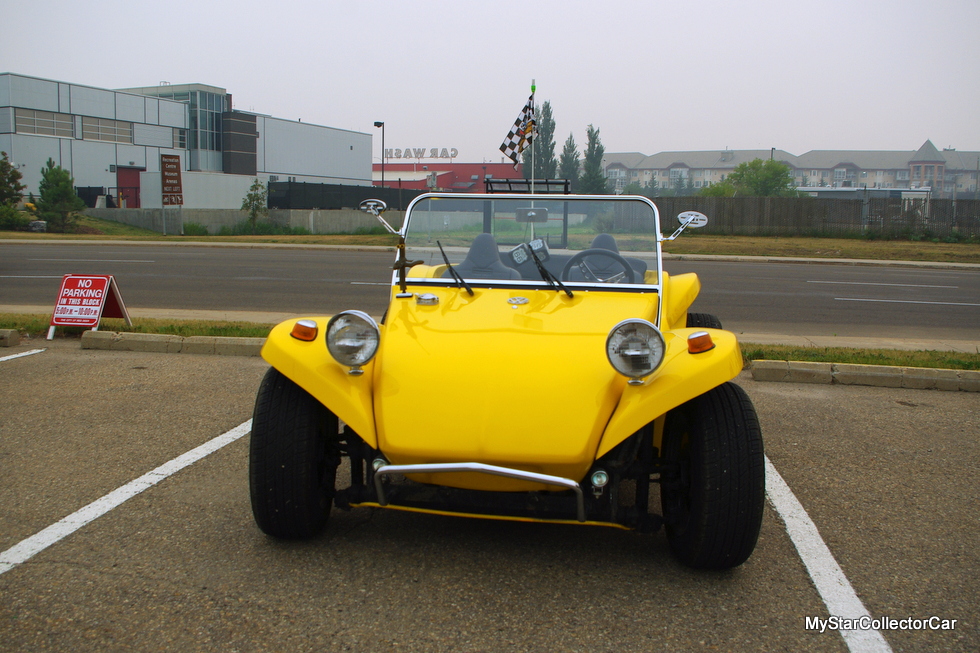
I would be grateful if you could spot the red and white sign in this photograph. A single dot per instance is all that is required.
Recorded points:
(84, 300)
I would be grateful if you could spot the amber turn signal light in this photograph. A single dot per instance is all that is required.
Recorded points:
(304, 330)
(699, 341)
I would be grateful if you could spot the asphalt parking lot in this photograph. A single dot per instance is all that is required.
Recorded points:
(888, 476)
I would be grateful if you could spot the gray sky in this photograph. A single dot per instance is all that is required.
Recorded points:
(652, 76)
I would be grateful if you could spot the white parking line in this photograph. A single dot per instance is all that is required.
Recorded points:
(901, 301)
(828, 578)
(834, 588)
(26, 549)
(21, 354)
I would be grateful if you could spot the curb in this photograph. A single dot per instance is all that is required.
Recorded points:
(170, 344)
(883, 376)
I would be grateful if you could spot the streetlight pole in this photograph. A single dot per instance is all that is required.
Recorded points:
(380, 124)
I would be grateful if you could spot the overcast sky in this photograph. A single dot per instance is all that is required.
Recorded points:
(652, 76)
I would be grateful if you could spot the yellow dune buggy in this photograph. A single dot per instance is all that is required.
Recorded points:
(535, 363)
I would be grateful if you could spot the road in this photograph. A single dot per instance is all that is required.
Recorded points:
(792, 299)
(887, 475)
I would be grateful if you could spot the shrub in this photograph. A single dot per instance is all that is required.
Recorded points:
(13, 220)
(246, 228)
(195, 229)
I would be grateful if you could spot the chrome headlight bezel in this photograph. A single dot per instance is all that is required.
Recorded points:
(352, 339)
(648, 350)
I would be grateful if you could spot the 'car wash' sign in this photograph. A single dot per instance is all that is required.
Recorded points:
(173, 189)
(422, 153)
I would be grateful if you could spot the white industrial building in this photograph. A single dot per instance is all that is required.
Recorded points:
(111, 140)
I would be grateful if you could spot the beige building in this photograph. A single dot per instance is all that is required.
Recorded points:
(945, 171)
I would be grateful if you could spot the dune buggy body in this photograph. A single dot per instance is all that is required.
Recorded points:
(535, 363)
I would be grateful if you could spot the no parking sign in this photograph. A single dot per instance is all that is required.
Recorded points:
(83, 300)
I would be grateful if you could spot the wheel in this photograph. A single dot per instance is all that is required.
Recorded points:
(579, 260)
(703, 321)
(713, 487)
(293, 458)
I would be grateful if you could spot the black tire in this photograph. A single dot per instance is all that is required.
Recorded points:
(713, 490)
(703, 321)
(293, 458)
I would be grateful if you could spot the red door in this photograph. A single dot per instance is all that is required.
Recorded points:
(128, 185)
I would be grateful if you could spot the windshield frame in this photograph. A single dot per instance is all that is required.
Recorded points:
(654, 266)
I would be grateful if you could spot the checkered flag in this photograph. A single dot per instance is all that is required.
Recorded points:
(520, 134)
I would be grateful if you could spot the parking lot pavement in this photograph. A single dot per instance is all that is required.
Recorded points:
(887, 475)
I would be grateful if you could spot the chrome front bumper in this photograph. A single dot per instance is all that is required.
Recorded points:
(480, 468)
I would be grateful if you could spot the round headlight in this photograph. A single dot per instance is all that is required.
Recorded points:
(635, 348)
(352, 338)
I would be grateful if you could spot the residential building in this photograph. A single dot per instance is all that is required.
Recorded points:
(944, 172)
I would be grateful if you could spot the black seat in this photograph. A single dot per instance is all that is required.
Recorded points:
(483, 261)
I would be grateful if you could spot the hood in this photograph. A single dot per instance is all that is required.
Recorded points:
(510, 377)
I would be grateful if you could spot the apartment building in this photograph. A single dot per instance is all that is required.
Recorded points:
(943, 171)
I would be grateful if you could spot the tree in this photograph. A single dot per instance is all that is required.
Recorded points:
(568, 165)
(10, 186)
(58, 202)
(593, 181)
(721, 189)
(543, 144)
(760, 178)
(255, 203)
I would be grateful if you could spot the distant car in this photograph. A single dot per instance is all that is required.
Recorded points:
(535, 363)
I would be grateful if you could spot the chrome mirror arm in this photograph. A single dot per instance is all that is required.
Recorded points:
(691, 219)
(376, 208)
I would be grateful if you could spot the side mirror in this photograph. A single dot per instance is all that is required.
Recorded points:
(691, 219)
(376, 208)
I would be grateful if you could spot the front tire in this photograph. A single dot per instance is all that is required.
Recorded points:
(293, 458)
(703, 321)
(713, 489)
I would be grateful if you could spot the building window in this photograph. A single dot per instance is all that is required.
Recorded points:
(103, 129)
(29, 121)
(902, 175)
(180, 139)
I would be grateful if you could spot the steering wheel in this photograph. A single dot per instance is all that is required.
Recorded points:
(589, 273)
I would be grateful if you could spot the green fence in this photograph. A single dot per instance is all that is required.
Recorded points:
(809, 216)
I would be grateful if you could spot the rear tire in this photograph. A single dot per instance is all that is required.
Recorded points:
(703, 321)
(713, 490)
(293, 458)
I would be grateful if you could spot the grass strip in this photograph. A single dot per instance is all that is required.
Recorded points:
(949, 360)
(37, 326)
(91, 228)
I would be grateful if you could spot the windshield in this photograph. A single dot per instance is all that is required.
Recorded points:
(559, 241)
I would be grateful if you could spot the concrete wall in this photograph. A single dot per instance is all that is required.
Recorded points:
(202, 190)
(319, 222)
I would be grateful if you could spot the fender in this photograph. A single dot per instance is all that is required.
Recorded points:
(681, 377)
(310, 366)
(680, 291)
